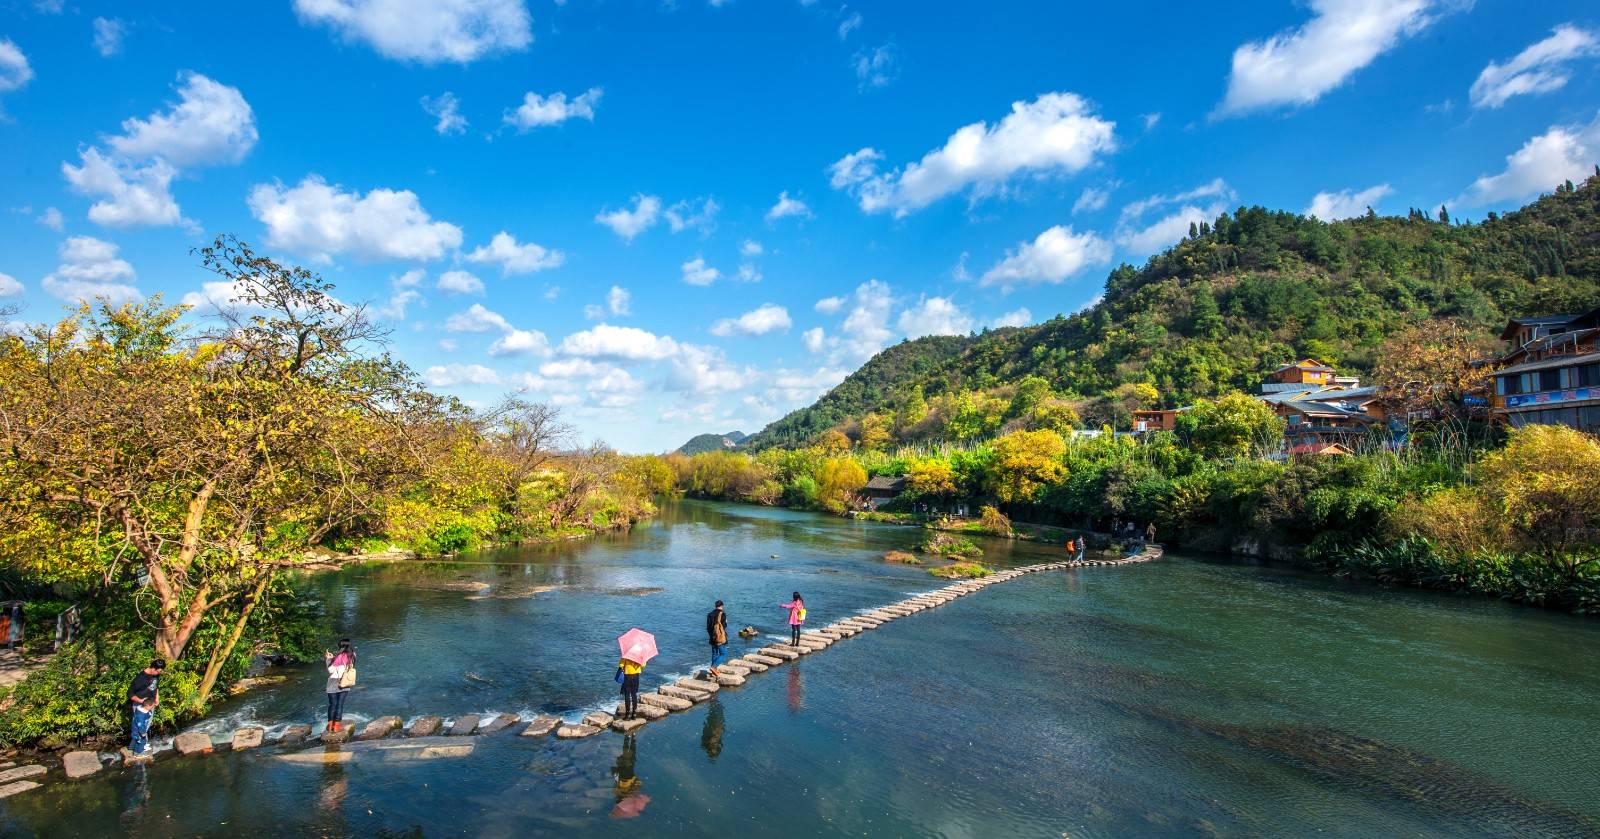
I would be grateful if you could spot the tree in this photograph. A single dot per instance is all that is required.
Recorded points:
(1429, 370)
(1025, 461)
(1031, 392)
(1544, 483)
(1056, 415)
(1233, 425)
(838, 481)
(834, 441)
(912, 410)
(874, 432)
(931, 476)
(1205, 318)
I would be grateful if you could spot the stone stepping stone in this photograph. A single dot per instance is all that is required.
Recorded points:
(500, 723)
(780, 649)
(425, 726)
(336, 737)
(188, 743)
(737, 668)
(763, 659)
(646, 710)
(729, 679)
(15, 787)
(574, 732)
(80, 764)
(20, 772)
(598, 719)
(661, 700)
(295, 733)
(627, 726)
(379, 728)
(464, 725)
(682, 693)
(249, 737)
(541, 725)
(784, 653)
(698, 684)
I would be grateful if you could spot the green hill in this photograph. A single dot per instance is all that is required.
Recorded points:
(1238, 297)
(711, 442)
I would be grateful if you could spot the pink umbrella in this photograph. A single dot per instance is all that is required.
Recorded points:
(637, 646)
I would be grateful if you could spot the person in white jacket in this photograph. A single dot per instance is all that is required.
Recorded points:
(339, 665)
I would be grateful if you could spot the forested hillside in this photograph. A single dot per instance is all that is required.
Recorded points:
(1232, 301)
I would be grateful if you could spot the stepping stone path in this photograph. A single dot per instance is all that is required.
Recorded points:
(653, 706)
(80, 764)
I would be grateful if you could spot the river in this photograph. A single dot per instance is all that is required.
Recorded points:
(1177, 698)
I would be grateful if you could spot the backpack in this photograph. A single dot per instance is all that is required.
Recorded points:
(802, 614)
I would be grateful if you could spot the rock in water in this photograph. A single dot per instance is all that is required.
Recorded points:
(661, 700)
(379, 728)
(80, 764)
(248, 737)
(598, 719)
(499, 723)
(336, 737)
(464, 725)
(573, 732)
(541, 726)
(626, 726)
(425, 726)
(295, 733)
(15, 787)
(193, 742)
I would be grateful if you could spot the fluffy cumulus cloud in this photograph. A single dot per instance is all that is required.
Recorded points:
(537, 111)
(1143, 236)
(479, 319)
(815, 339)
(866, 328)
(210, 124)
(402, 293)
(1565, 152)
(108, 34)
(1055, 133)
(697, 272)
(1298, 66)
(51, 218)
(1092, 199)
(515, 257)
(750, 248)
(520, 342)
(1051, 257)
(767, 318)
(453, 375)
(1332, 206)
(460, 282)
(619, 301)
(431, 32)
(9, 287)
(322, 220)
(1018, 317)
(787, 207)
(830, 305)
(14, 68)
(128, 194)
(619, 343)
(91, 270)
(630, 223)
(446, 111)
(1541, 68)
(934, 316)
(699, 214)
(702, 370)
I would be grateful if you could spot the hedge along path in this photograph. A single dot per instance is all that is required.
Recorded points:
(433, 736)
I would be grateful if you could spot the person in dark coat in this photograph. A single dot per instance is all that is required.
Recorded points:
(717, 632)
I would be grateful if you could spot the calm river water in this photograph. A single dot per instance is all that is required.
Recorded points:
(1178, 698)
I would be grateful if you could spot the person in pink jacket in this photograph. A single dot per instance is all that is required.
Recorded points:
(797, 616)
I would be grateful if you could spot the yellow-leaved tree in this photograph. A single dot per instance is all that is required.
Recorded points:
(1025, 461)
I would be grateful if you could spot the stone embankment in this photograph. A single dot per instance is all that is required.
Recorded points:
(432, 732)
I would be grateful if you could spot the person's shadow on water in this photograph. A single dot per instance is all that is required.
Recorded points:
(711, 734)
(797, 690)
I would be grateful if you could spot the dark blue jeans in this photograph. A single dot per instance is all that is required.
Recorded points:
(336, 706)
(140, 739)
(719, 654)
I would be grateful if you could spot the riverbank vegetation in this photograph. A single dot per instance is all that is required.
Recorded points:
(168, 474)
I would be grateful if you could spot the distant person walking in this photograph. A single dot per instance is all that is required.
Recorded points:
(143, 697)
(1150, 532)
(797, 617)
(341, 678)
(717, 632)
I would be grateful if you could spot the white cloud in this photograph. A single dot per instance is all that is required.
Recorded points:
(14, 69)
(849, 24)
(477, 318)
(1332, 206)
(460, 282)
(9, 287)
(1536, 70)
(619, 342)
(697, 272)
(1055, 133)
(51, 218)
(830, 305)
(130, 194)
(450, 375)
(758, 321)
(703, 370)
(1172, 227)
(1560, 154)
(866, 328)
(108, 36)
(1019, 317)
(445, 108)
(321, 220)
(410, 279)
(537, 111)
(211, 124)
(935, 316)
(787, 207)
(520, 342)
(449, 344)
(630, 223)
(431, 32)
(795, 387)
(1298, 66)
(399, 299)
(515, 258)
(1091, 200)
(684, 216)
(748, 273)
(1051, 257)
(90, 270)
(750, 248)
(619, 301)
(572, 368)
(876, 67)
(814, 339)
(1151, 120)
(594, 312)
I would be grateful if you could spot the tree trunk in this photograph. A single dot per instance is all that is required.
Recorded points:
(220, 658)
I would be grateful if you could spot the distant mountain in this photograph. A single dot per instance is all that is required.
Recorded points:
(712, 442)
(1229, 303)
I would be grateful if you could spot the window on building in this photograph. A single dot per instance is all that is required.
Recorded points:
(1589, 375)
(1549, 380)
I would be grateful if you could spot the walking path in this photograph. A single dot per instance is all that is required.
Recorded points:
(431, 737)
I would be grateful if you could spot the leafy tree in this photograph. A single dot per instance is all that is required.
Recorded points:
(1544, 483)
(834, 441)
(1233, 425)
(931, 476)
(838, 480)
(1031, 392)
(873, 434)
(1024, 461)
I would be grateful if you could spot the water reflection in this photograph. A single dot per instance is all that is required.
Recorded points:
(628, 789)
(796, 692)
(711, 733)
(135, 796)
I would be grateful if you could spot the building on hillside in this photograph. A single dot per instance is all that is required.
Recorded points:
(1550, 372)
(1313, 426)
(1156, 419)
(1305, 374)
(883, 489)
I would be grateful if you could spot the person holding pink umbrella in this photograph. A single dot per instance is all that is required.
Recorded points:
(638, 647)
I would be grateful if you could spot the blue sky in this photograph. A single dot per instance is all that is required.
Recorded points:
(671, 218)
